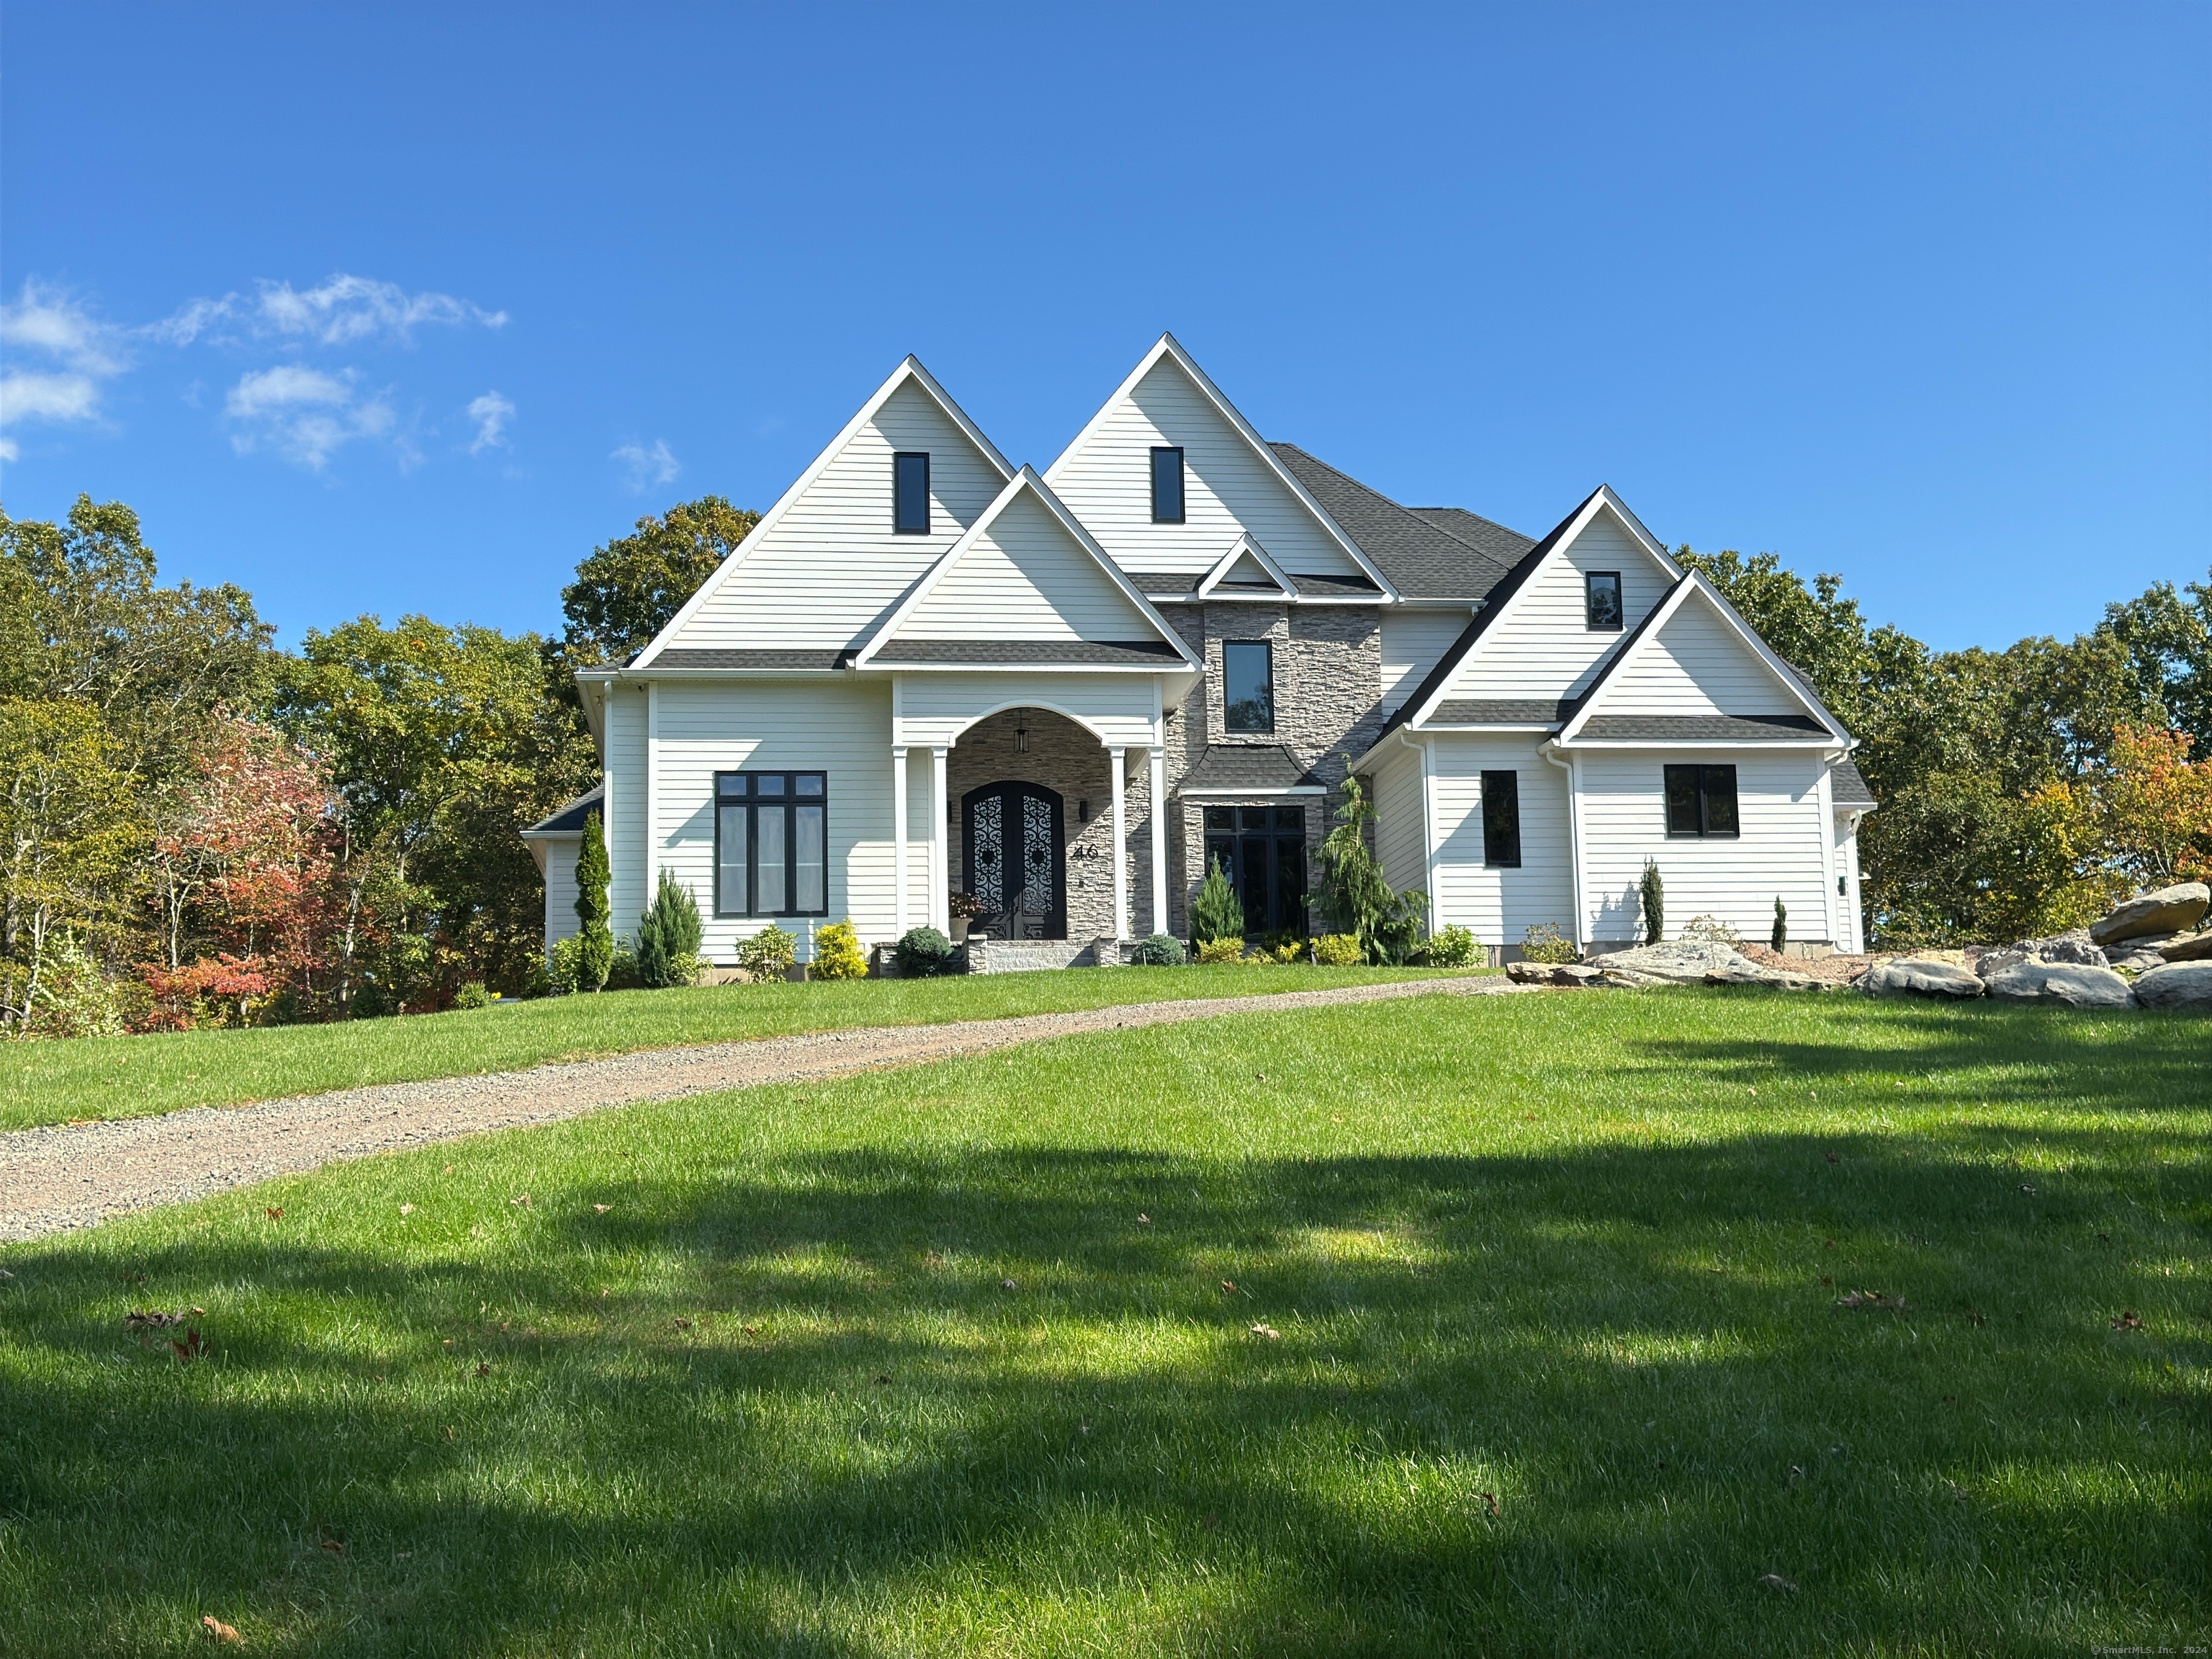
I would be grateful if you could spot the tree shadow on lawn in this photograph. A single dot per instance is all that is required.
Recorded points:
(1633, 1353)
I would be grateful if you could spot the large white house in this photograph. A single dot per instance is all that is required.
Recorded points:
(927, 671)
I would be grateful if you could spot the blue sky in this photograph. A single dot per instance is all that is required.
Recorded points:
(398, 309)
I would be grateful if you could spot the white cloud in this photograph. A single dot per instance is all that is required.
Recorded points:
(7, 450)
(491, 413)
(341, 309)
(645, 467)
(304, 415)
(75, 351)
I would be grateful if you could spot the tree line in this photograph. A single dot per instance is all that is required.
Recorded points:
(199, 829)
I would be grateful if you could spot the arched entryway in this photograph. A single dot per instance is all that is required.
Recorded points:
(1015, 860)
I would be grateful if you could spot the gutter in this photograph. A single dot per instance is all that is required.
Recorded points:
(1550, 751)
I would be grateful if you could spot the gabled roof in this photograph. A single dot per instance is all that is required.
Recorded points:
(1026, 485)
(1810, 722)
(1432, 554)
(1848, 790)
(1229, 572)
(1167, 346)
(909, 372)
(1498, 605)
(1248, 768)
(570, 820)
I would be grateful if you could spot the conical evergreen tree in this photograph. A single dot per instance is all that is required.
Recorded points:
(596, 941)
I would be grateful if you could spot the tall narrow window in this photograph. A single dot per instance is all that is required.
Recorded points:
(1701, 800)
(1167, 486)
(771, 844)
(1602, 600)
(1248, 686)
(1501, 819)
(1263, 851)
(910, 494)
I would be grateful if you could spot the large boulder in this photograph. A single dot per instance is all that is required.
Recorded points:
(1917, 976)
(1568, 976)
(1697, 962)
(2076, 947)
(2068, 983)
(2175, 910)
(2190, 947)
(2177, 986)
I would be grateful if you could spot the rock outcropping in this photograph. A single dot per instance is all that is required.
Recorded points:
(1918, 978)
(2067, 982)
(2178, 986)
(2176, 909)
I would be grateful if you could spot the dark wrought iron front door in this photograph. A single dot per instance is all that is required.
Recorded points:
(1016, 860)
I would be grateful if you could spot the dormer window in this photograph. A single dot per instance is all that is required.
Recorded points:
(1602, 600)
(910, 494)
(1167, 486)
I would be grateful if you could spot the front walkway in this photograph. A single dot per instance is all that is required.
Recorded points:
(57, 1178)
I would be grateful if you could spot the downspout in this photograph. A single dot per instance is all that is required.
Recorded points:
(1425, 749)
(1550, 751)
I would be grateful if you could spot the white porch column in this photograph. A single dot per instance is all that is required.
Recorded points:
(651, 875)
(1121, 845)
(898, 837)
(1159, 782)
(940, 916)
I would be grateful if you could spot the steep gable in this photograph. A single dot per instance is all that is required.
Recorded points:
(1234, 483)
(1025, 574)
(1245, 571)
(1539, 643)
(824, 566)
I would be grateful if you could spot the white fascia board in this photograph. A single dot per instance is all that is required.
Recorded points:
(1754, 745)
(1172, 669)
(550, 835)
(1798, 689)
(1601, 499)
(1023, 482)
(1227, 562)
(1694, 585)
(1287, 789)
(911, 370)
(1168, 346)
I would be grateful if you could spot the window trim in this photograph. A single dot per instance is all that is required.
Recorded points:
(753, 803)
(1275, 835)
(1511, 860)
(1268, 731)
(1703, 832)
(897, 456)
(1590, 624)
(1182, 484)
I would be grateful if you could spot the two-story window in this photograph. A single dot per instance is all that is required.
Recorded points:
(1263, 851)
(1701, 801)
(910, 494)
(1248, 687)
(771, 844)
(1602, 601)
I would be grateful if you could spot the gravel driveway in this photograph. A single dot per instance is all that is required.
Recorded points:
(73, 1175)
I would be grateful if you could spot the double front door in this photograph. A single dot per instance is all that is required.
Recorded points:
(1015, 860)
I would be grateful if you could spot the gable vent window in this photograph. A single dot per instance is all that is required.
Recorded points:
(770, 844)
(910, 495)
(1701, 800)
(1501, 820)
(1167, 486)
(1602, 600)
(1248, 686)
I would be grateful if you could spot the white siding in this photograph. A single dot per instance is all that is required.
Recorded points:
(1696, 664)
(841, 728)
(627, 887)
(1401, 839)
(1782, 853)
(1544, 648)
(936, 707)
(1412, 642)
(1852, 930)
(830, 568)
(561, 889)
(1228, 488)
(1501, 905)
(1025, 578)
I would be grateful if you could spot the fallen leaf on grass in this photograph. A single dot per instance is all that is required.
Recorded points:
(602, 1209)
(1268, 1331)
(1229, 1286)
(407, 1209)
(1778, 1584)
(1832, 1158)
(449, 1434)
(142, 1319)
(483, 1368)
(1143, 1220)
(2129, 1320)
(520, 1200)
(884, 1380)
(1490, 1500)
(682, 1324)
(200, 1312)
(193, 1347)
(1871, 1299)
(1008, 1284)
(218, 1631)
(333, 1546)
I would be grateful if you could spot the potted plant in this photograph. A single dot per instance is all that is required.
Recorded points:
(961, 908)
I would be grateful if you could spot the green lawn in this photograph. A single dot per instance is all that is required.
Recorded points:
(135, 1077)
(945, 1360)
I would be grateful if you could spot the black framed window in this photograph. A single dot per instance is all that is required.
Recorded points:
(1167, 486)
(771, 844)
(1248, 686)
(1501, 819)
(1263, 851)
(1701, 800)
(1602, 599)
(910, 494)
